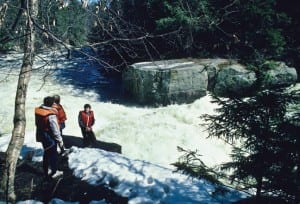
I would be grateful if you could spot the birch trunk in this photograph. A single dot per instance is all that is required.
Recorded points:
(18, 133)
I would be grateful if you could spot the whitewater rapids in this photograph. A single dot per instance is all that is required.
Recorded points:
(145, 133)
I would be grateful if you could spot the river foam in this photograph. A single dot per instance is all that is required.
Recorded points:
(145, 133)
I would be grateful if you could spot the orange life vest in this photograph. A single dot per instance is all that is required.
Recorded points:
(61, 115)
(41, 118)
(87, 119)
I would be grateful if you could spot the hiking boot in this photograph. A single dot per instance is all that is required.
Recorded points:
(56, 174)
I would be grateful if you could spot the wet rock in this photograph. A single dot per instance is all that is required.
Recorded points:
(165, 82)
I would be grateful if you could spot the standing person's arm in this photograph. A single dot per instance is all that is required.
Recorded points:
(80, 121)
(64, 115)
(55, 129)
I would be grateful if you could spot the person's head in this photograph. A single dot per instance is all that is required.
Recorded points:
(87, 107)
(48, 101)
(56, 99)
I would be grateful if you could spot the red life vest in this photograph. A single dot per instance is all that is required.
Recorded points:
(61, 115)
(87, 119)
(41, 118)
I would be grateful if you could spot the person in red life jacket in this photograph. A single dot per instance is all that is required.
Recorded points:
(86, 120)
(61, 114)
(48, 133)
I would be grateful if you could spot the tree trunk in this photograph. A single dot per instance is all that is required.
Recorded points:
(258, 187)
(18, 133)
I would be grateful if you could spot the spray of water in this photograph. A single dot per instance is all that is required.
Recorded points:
(145, 133)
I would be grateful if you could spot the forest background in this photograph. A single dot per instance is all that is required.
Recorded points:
(124, 32)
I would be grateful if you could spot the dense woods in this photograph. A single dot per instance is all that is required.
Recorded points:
(130, 31)
(122, 32)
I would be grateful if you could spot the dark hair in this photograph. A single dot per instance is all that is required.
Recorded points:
(56, 98)
(87, 106)
(48, 101)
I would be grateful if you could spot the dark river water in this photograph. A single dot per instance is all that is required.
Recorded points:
(85, 74)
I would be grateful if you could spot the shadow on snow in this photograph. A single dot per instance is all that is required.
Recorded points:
(70, 141)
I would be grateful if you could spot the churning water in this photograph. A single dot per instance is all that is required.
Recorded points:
(145, 133)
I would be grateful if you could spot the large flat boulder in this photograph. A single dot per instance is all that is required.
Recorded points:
(165, 82)
(183, 81)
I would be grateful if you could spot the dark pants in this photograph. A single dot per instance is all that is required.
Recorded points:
(88, 137)
(62, 126)
(50, 157)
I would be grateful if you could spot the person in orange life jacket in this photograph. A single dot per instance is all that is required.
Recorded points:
(86, 120)
(48, 133)
(61, 116)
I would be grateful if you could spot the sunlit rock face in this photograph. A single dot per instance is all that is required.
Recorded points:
(185, 80)
(166, 82)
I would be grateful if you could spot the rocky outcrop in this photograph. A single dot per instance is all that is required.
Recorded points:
(212, 67)
(165, 82)
(183, 81)
(234, 79)
(277, 74)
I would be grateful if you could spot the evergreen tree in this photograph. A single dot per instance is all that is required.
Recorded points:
(67, 20)
(251, 31)
(267, 152)
(12, 29)
(72, 23)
